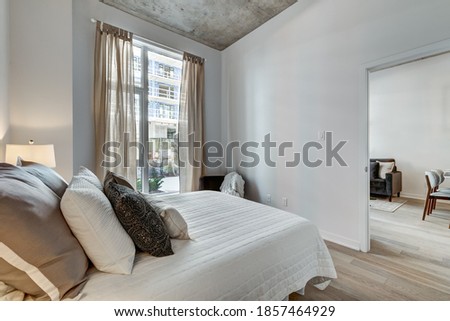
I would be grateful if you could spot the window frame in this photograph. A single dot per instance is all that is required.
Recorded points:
(143, 91)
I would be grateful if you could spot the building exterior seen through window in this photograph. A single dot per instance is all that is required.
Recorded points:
(157, 77)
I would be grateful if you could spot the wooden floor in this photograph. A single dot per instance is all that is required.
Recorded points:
(409, 259)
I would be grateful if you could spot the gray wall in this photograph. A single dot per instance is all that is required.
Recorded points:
(40, 79)
(83, 53)
(300, 74)
(4, 76)
(297, 75)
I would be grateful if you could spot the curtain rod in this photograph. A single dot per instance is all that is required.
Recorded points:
(155, 43)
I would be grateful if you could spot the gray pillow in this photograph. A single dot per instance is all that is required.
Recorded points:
(48, 176)
(39, 254)
(140, 220)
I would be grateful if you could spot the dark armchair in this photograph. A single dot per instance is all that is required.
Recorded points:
(389, 185)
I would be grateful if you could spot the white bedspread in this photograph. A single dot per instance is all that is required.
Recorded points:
(240, 250)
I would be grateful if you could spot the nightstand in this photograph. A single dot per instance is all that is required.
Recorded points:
(211, 182)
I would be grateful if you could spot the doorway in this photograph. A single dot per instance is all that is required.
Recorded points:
(367, 71)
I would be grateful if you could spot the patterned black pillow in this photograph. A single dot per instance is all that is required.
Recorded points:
(116, 178)
(140, 220)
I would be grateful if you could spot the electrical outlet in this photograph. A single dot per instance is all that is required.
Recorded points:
(321, 135)
(285, 201)
(269, 199)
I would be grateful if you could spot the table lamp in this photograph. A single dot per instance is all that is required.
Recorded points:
(42, 154)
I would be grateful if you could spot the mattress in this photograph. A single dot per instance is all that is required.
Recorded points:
(239, 250)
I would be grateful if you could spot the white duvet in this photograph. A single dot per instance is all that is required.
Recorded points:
(240, 250)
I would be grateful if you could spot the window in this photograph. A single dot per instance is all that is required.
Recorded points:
(157, 73)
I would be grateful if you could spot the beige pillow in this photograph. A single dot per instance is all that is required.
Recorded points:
(174, 222)
(92, 220)
(38, 253)
(385, 167)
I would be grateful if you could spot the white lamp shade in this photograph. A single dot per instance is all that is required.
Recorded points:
(42, 154)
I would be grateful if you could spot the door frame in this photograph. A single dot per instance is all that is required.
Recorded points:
(434, 49)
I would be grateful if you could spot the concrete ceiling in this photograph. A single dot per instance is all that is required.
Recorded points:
(215, 23)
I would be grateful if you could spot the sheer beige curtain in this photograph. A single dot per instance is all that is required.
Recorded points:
(115, 120)
(190, 123)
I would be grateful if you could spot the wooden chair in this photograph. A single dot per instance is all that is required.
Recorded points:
(433, 194)
(441, 175)
(438, 188)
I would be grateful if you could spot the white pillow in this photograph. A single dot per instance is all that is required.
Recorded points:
(92, 220)
(174, 222)
(88, 175)
(385, 167)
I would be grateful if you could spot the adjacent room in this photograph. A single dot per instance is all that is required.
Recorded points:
(408, 121)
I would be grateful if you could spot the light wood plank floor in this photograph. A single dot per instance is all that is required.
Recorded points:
(409, 259)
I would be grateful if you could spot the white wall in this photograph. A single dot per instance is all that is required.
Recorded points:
(40, 90)
(83, 46)
(4, 76)
(300, 73)
(410, 118)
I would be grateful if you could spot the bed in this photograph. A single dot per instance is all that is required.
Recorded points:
(238, 250)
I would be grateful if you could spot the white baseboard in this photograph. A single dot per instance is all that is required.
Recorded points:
(355, 244)
(413, 196)
(352, 244)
